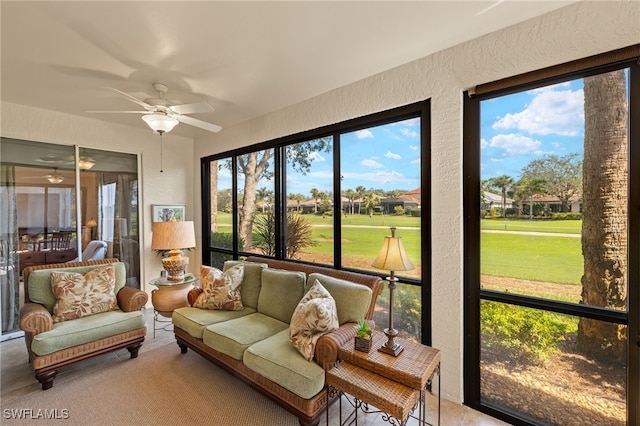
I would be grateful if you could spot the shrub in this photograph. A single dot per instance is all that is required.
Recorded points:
(222, 240)
(415, 212)
(566, 216)
(299, 232)
(525, 332)
(399, 210)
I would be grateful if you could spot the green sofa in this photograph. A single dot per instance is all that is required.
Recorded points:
(253, 343)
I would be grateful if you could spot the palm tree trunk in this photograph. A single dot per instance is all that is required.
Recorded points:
(604, 227)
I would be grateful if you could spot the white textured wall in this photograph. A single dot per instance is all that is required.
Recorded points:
(175, 185)
(577, 31)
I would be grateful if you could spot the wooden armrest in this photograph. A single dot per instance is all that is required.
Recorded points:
(326, 353)
(193, 295)
(131, 299)
(35, 319)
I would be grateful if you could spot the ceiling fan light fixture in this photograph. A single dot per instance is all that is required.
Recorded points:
(86, 163)
(55, 178)
(159, 122)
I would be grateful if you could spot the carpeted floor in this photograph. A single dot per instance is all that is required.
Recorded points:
(163, 385)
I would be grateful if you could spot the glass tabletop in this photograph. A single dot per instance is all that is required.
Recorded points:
(163, 281)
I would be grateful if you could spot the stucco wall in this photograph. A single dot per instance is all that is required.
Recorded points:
(577, 31)
(173, 186)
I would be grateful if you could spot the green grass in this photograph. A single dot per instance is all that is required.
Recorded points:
(537, 258)
(561, 226)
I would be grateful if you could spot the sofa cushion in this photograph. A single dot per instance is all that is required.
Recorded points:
(86, 329)
(233, 337)
(251, 283)
(39, 284)
(221, 289)
(277, 360)
(352, 300)
(314, 316)
(79, 295)
(194, 320)
(281, 292)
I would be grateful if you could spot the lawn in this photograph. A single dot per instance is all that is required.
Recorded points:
(559, 226)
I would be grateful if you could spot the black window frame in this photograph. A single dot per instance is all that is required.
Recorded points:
(421, 109)
(473, 294)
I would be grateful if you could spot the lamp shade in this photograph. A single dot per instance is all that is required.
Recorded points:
(159, 122)
(173, 235)
(392, 256)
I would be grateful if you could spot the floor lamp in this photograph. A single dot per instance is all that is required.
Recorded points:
(392, 257)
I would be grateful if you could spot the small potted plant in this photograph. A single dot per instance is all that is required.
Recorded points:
(363, 336)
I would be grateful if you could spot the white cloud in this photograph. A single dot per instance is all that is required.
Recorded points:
(316, 156)
(392, 155)
(416, 161)
(364, 134)
(483, 143)
(408, 133)
(550, 112)
(371, 163)
(515, 144)
(413, 147)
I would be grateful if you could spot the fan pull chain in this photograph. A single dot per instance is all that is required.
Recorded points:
(161, 171)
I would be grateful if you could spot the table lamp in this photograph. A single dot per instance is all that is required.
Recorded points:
(392, 257)
(173, 236)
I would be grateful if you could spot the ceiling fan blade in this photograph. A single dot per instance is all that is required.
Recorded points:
(199, 123)
(193, 108)
(119, 112)
(134, 99)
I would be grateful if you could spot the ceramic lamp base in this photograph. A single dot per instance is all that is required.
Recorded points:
(175, 267)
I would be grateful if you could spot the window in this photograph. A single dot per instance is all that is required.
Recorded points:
(552, 276)
(329, 196)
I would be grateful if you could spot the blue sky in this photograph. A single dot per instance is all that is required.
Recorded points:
(519, 128)
(384, 157)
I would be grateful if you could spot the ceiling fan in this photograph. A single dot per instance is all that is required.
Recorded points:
(54, 177)
(162, 115)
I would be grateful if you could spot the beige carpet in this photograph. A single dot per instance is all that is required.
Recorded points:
(160, 387)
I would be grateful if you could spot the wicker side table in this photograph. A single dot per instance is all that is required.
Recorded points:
(392, 398)
(379, 373)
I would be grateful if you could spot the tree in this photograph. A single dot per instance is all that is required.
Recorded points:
(298, 198)
(562, 176)
(502, 184)
(371, 200)
(360, 190)
(314, 194)
(527, 188)
(350, 195)
(604, 200)
(254, 166)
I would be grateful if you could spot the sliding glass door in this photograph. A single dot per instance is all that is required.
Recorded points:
(62, 203)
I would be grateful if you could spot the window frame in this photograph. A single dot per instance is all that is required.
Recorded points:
(421, 109)
(473, 293)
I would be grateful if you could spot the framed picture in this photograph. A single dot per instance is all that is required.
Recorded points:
(167, 212)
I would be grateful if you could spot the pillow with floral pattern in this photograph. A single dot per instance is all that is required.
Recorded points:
(315, 315)
(221, 289)
(79, 295)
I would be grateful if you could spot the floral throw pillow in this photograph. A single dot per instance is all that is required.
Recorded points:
(80, 295)
(221, 289)
(315, 315)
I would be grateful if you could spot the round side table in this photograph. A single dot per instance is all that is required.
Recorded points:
(168, 296)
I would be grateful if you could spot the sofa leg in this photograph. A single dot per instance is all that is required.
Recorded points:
(183, 347)
(133, 350)
(307, 422)
(46, 378)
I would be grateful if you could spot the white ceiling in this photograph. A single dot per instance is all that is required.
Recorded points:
(244, 58)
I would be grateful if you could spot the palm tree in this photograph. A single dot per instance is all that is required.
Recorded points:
(314, 194)
(298, 198)
(527, 188)
(360, 190)
(350, 195)
(604, 201)
(370, 201)
(501, 183)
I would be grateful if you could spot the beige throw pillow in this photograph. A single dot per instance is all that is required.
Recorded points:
(79, 295)
(315, 315)
(221, 289)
